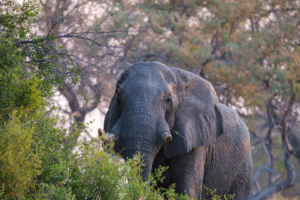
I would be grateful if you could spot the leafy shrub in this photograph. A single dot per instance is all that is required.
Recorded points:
(214, 196)
(93, 171)
(20, 157)
(39, 160)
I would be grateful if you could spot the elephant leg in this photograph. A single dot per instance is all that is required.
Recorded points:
(189, 171)
(241, 186)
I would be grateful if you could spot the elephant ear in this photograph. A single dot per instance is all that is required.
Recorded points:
(113, 114)
(198, 120)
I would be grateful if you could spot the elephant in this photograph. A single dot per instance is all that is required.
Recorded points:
(173, 117)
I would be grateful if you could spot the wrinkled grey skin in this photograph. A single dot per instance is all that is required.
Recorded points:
(210, 144)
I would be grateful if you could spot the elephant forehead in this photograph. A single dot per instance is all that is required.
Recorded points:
(142, 88)
(149, 78)
(151, 72)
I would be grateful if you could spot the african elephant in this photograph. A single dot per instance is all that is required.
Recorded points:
(174, 118)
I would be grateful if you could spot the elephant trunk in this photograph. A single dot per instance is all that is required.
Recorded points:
(147, 161)
(139, 136)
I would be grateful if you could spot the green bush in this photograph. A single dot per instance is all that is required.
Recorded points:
(93, 171)
(37, 162)
(20, 157)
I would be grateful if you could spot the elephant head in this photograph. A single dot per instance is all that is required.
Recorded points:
(156, 107)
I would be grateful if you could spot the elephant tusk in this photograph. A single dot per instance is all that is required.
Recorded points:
(166, 137)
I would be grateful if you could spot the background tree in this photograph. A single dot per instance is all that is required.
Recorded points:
(98, 55)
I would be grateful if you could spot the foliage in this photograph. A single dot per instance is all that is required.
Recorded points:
(19, 88)
(214, 196)
(86, 36)
(34, 166)
(246, 43)
(24, 84)
(91, 173)
(39, 55)
(18, 20)
(20, 156)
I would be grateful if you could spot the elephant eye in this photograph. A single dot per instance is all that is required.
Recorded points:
(169, 100)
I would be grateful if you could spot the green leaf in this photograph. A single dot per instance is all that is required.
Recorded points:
(52, 37)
